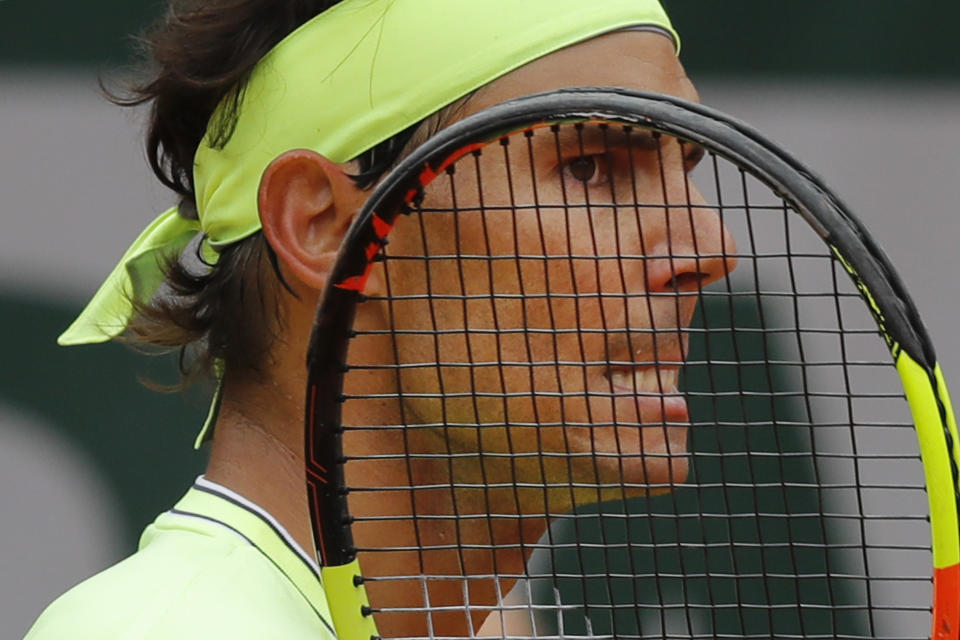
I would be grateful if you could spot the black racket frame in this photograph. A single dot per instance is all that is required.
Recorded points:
(718, 133)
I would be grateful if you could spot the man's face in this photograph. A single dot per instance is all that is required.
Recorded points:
(573, 360)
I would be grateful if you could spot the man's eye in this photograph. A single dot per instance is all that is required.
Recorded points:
(584, 169)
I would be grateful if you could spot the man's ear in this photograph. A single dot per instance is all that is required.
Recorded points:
(306, 205)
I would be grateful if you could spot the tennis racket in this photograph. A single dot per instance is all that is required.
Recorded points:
(606, 364)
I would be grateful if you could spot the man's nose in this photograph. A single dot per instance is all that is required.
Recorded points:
(687, 244)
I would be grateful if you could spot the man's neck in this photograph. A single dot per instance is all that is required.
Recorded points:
(256, 453)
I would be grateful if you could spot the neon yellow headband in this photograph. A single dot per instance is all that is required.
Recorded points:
(349, 79)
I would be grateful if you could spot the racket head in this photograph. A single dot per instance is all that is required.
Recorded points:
(795, 202)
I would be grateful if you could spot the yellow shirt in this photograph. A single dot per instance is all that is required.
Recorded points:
(214, 566)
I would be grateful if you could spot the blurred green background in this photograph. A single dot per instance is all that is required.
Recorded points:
(863, 38)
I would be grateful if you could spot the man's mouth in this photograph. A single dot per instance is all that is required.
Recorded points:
(654, 394)
(645, 380)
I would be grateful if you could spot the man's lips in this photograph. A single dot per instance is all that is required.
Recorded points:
(654, 390)
(658, 380)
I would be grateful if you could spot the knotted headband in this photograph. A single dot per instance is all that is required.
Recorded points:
(348, 79)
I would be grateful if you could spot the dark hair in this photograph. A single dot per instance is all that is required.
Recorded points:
(201, 52)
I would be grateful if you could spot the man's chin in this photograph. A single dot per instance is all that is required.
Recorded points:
(632, 476)
(647, 476)
(648, 457)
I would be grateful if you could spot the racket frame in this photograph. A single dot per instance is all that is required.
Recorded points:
(861, 256)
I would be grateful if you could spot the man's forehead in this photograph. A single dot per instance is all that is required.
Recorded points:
(641, 60)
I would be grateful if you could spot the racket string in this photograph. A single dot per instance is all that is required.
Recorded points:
(493, 335)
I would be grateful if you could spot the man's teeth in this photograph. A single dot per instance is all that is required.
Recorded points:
(646, 380)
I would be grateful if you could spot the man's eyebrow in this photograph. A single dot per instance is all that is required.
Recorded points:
(591, 136)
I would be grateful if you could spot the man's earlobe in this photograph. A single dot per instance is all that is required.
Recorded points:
(306, 205)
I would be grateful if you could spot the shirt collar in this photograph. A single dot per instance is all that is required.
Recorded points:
(215, 503)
